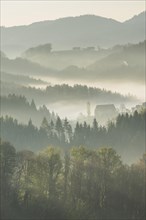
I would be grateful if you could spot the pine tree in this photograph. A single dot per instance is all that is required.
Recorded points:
(67, 131)
(59, 130)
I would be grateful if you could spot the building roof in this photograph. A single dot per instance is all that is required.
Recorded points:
(105, 106)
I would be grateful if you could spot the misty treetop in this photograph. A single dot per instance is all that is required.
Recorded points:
(42, 49)
(20, 108)
(126, 134)
(67, 93)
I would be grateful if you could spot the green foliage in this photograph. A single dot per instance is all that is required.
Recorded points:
(78, 184)
(7, 168)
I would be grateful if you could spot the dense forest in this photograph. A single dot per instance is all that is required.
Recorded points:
(21, 109)
(64, 92)
(78, 184)
(126, 134)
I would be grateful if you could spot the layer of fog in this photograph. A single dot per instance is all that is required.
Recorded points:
(73, 109)
(124, 88)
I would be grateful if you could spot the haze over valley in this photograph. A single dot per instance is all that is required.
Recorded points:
(73, 113)
(59, 69)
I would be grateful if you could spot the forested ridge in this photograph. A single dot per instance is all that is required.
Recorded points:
(76, 184)
(126, 134)
(21, 109)
(65, 92)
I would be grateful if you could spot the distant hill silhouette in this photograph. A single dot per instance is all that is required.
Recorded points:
(20, 66)
(127, 64)
(120, 63)
(20, 79)
(65, 33)
(77, 56)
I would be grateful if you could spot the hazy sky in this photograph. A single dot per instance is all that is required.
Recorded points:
(26, 12)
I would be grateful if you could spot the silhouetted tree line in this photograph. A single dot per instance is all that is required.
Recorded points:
(65, 92)
(126, 135)
(68, 93)
(77, 184)
(41, 49)
(19, 107)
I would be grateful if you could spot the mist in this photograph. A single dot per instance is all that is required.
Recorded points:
(73, 113)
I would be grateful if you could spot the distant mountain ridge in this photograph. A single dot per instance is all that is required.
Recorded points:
(21, 66)
(121, 63)
(65, 33)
